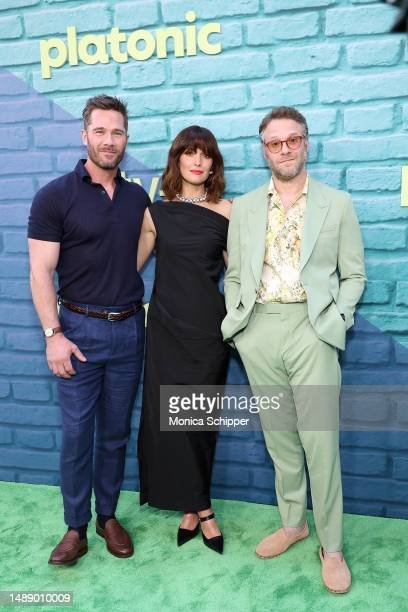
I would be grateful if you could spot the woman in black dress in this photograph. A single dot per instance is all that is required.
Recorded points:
(184, 345)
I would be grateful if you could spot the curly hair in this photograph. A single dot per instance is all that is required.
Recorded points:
(190, 139)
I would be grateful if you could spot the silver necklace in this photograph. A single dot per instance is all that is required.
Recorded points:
(193, 200)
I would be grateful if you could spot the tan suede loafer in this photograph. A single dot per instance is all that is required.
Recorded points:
(278, 542)
(117, 539)
(69, 549)
(335, 573)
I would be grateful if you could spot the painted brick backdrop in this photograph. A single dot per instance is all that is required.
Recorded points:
(337, 63)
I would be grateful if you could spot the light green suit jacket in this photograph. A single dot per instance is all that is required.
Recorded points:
(331, 260)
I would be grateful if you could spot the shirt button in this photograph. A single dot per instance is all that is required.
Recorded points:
(102, 192)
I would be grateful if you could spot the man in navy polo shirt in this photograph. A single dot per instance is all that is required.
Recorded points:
(85, 226)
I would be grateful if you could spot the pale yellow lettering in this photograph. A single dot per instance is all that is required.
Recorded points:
(162, 37)
(47, 61)
(141, 45)
(154, 183)
(203, 42)
(72, 45)
(153, 187)
(134, 51)
(93, 58)
(191, 34)
(190, 16)
(114, 39)
(191, 40)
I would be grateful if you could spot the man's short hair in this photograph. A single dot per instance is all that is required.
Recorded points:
(104, 102)
(284, 112)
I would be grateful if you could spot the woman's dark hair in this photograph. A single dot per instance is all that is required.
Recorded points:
(189, 140)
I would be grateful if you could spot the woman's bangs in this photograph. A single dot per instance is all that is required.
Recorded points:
(202, 144)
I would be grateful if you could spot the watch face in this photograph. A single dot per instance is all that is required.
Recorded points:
(48, 332)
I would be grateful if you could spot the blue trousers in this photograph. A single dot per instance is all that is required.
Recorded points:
(96, 405)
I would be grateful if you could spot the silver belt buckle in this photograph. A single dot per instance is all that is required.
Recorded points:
(110, 314)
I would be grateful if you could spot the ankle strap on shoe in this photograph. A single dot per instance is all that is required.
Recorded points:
(206, 518)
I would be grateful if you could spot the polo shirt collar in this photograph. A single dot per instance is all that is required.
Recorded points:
(84, 174)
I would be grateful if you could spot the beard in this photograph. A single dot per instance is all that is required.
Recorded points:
(286, 174)
(97, 157)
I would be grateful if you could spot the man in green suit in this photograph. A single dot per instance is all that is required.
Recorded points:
(295, 274)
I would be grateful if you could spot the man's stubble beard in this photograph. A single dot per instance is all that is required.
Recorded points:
(94, 156)
(290, 174)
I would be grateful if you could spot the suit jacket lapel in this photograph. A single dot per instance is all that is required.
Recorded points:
(257, 221)
(315, 213)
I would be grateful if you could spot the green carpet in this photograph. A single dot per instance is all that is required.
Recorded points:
(161, 577)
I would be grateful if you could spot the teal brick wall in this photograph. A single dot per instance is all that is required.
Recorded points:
(335, 61)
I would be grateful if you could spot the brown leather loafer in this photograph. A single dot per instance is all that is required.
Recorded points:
(69, 550)
(117, 539)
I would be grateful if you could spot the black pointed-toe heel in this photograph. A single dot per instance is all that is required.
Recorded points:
(185, 535)
(217, 542)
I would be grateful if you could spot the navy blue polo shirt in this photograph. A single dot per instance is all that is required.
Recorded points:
(98, 236)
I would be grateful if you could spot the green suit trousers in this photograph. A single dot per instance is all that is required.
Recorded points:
(280, 347)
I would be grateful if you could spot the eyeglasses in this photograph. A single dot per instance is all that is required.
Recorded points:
(293, 143)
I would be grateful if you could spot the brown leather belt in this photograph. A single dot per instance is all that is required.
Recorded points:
(102, 314)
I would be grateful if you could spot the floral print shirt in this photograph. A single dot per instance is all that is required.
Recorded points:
(280, 275)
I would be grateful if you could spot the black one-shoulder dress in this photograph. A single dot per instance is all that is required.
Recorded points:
(183, 346)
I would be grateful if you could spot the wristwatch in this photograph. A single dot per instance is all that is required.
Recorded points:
(49, 332)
